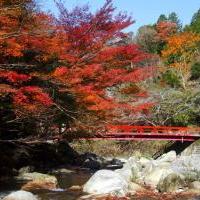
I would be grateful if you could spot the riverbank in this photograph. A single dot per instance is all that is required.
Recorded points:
(40, 156)
(125, 149)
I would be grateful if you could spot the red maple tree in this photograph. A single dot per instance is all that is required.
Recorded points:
(71, 54)
(166, 29)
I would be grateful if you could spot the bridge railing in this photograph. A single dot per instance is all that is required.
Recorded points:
(126, 129)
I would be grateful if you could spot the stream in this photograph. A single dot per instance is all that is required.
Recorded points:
(79, 177)
(65, 181)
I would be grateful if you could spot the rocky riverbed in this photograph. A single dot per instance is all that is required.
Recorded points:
(168, 177)
(167, 174)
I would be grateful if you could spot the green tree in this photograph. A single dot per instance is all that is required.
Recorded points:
(195, 70)
(195, 23)
(173, 17)
(148, 39)
(171, 78)
(162, 18)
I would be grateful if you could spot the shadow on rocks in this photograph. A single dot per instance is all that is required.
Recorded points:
(94, 162)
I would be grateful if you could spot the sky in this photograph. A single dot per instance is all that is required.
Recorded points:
(142, 11)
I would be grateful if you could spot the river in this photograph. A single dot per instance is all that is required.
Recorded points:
(65, 181)
(79, 177)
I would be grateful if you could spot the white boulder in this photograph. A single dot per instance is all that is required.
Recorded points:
(185, 164)
(195, 185)
(106, 182)
(20, 195)
(131, 170)
(167, 157)
(144, 162)
(173, 182)
(155, 174)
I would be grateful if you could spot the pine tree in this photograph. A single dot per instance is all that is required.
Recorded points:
(173, 17)
(162, 18)
(195, 23)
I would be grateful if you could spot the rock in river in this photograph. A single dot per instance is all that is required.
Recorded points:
(35, 176)
(172, 183)
(38, 181)
(20, 195)
(154, 175)
(106, 182)
(131, 170)
(92, 161)
(195, 185)
(167, 157)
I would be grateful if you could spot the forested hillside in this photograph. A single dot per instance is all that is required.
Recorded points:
(176, 88)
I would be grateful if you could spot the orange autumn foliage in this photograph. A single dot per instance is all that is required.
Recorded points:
(183, 44)
(183, 47)
(179, 53)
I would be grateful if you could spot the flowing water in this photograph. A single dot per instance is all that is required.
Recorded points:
(65, 181)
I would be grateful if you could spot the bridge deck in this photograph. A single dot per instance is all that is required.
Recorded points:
(124, 132)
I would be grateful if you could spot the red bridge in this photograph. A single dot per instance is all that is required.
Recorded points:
(125, 132)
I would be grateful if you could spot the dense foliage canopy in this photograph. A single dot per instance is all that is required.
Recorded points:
(58, 74)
